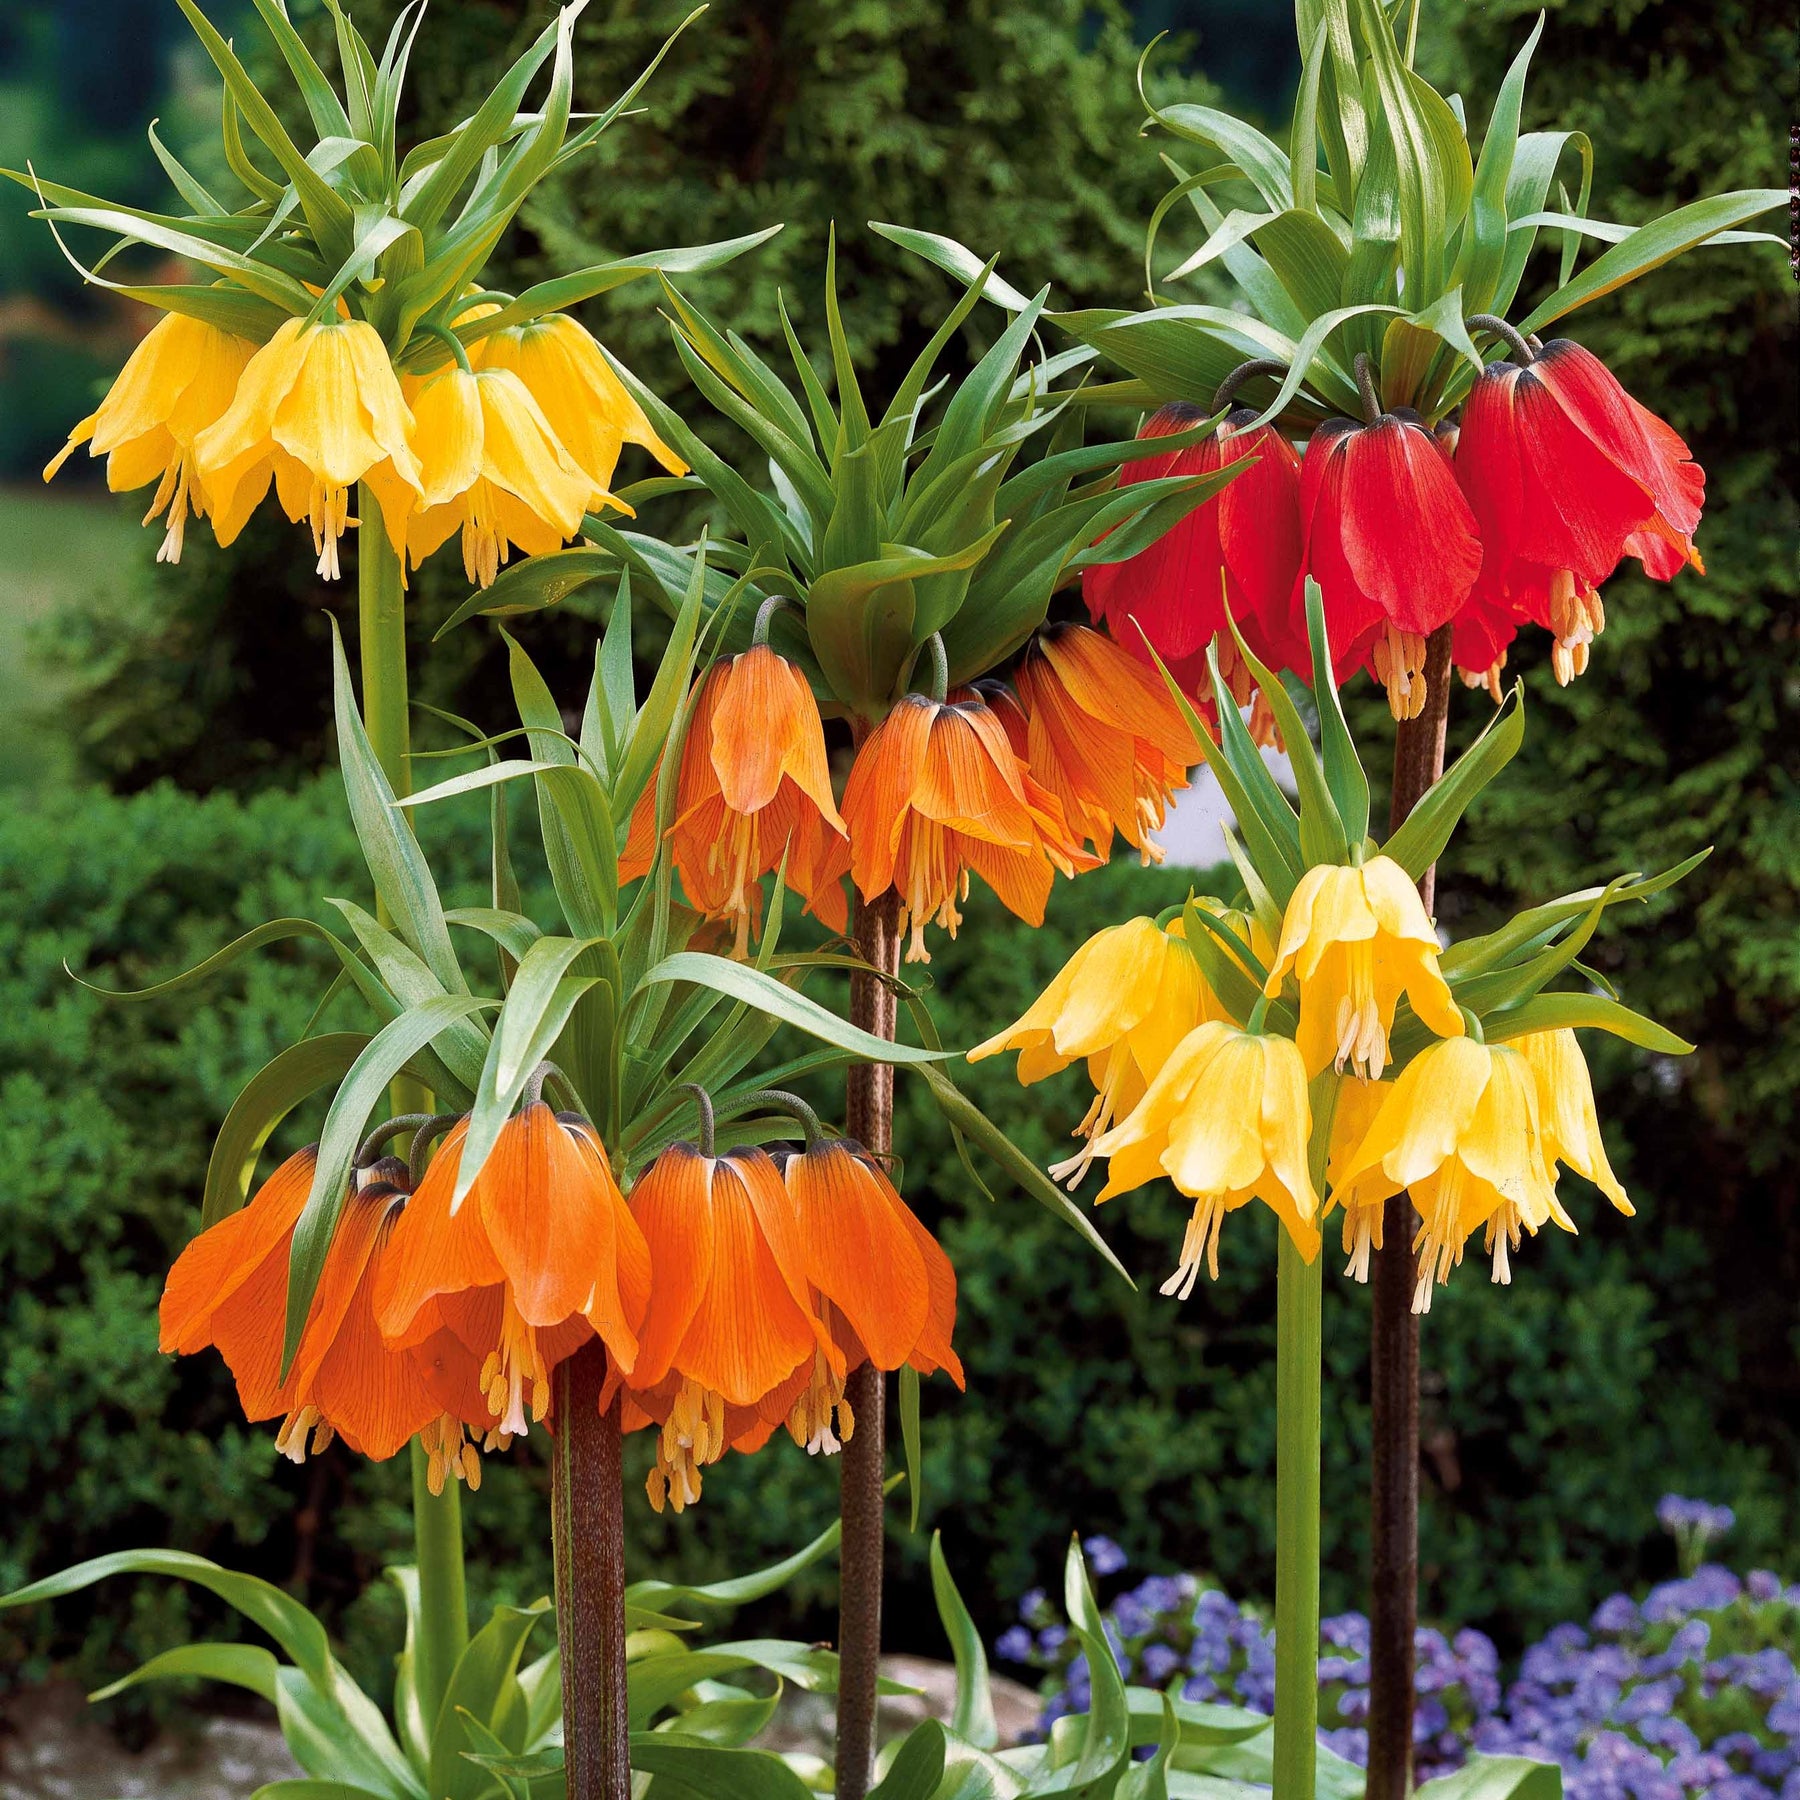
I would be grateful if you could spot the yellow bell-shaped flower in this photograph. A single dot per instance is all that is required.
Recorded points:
(1460, 1131)
(1358, 1103)
(1123, 1001)
(588, 406)
(1227, 1119)
(490, 465)
(1566, 1113)
(177, 382)
(318, 408)
(1357, 938)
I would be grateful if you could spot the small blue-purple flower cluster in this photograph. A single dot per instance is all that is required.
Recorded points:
(1692, 1691)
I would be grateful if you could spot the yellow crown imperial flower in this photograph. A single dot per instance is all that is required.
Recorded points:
(1358, 1103)
(588, 406)
(319, 409)
(1227, 1120)
(177, 382)
(1566, 1113)
(491, 465)
(1123, 1001)
(1356, 938)
(1460, 1131)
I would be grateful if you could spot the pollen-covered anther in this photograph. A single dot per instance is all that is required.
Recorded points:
(810, 1423)
(1199, 1244)
(691, 1437)
(1439, 1241)
(329, 517)
(1399, 659)
(291, 1440)
(1488, 678)
(1362, 1235)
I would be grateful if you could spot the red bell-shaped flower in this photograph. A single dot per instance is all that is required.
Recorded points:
(1241, 546)
(1566, 474)
(1392, 544)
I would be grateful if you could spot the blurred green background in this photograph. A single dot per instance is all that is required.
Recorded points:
(165, 784)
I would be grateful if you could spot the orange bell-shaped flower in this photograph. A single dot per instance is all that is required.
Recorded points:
(881, 1282)
(938, 791)
(1104, 736)
(754, 787)
(229, 1288)
(730, 1318)
(541, 1255)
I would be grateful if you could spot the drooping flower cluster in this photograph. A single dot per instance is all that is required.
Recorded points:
(511, 445)
(1692, 1691)
(733, 1294)
(1512, 513)
(1013, 787)
(1472, 1131)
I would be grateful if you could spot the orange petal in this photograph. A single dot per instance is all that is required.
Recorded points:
(858, 1252)
(672, 1206)
(933, 1351)
(222, 1259)
(433, 1251)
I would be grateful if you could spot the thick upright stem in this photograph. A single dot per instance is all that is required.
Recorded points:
(437, 1518)
(869, 1117)
(1298, 1339)
(1394, 1348)
(587, 1520)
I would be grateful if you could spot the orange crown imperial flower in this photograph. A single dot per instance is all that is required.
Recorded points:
(1355, 938)
(881, 1283)
(937, 791)
(318, 408)
(1123, 1001)
(589, 408)
(1227, 1120)
(541, 1255)
(492, 466)
(1461, 1131)
(229, 1288)
(1104, 736)
(175, 384)
(730, 1319)
(754, 787)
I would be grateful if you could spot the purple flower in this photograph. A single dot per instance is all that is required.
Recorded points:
(1158, 1662)
(1617, 1613)
(1015, 1645)
(1104, 1556)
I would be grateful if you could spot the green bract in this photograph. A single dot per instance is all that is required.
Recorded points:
(398, 239)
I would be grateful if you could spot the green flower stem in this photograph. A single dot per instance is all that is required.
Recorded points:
(1299, 1343)
(1299, 1292)
(437, 1518)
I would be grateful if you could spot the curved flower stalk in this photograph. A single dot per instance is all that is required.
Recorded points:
(333, 293)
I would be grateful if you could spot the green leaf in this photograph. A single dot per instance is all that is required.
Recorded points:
(484, 1685)
(401, 875)
(1343, 767)
(1498, 1778)
(973, 1716)
(1652, 245)
(409, 1715)
(954, 259)
(1264, 162)
(917, 1768)
(728, 1720)
(273, 1092)
(337, 1733)
(707, 1772)
(738, 1590)
(542, 997)
(327, 112)
(737, 981)
(265, 1606)
(1483, 249)
(1308, 258)
(309, 1789)
(1105, 1741)
(1578, 1012)
(241, 1665)
(326, 211)
(386, 1056)
(1303, 137)
(655, 723)
(658, 1680)
(1418, 842)
(909, 1438)
(969, 1121)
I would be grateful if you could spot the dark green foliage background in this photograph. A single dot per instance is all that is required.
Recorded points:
(1645, 1355)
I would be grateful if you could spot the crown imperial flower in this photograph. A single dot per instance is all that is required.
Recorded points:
(1227, 1120)
(1356, 938)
